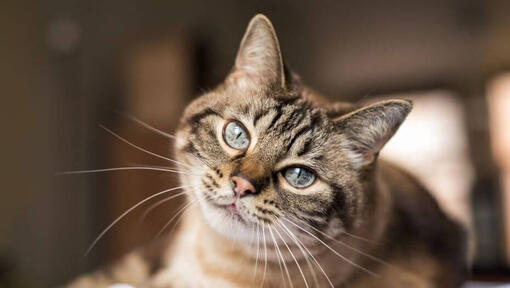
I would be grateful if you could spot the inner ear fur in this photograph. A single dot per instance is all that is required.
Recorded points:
(259, 61)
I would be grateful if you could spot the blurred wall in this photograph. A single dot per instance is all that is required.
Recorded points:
(25, 148)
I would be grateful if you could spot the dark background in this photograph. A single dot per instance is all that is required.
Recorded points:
(66, 65)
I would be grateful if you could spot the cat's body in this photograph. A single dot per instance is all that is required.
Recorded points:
(417, 241)
(276, 169)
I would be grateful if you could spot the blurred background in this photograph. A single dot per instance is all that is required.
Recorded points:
(67, 66)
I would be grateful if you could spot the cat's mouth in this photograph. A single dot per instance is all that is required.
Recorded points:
(231, 210)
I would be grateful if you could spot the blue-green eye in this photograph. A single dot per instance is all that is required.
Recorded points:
(299, 177)
(236, 136)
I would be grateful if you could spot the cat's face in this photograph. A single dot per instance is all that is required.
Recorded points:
(261, 154)
(259, 158)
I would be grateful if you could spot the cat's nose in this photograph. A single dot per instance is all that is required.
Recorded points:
(242, 186)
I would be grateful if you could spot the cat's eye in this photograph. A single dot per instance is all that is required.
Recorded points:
(299, 177)
(236, 136)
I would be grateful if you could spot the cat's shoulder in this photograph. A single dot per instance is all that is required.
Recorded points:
(417, 220)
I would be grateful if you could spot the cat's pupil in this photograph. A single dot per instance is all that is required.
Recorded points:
(299, 177)
(236, 136)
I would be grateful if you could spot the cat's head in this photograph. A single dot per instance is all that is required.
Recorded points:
(262, 153)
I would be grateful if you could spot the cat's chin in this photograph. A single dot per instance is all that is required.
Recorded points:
(227, 221)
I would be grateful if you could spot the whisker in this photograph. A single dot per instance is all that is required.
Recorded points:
(350, 247)
(145, 124)
(313, 258)
(155, 205)
(299, 245)
(158, 131)
(252, 235)
(142, 149)
(293, 257)
(177, 214)
(180, 217)
(334, 251)
(167, 167)
(258, 247)
(127, 212)
(281, 256)
(122, 169)
(181, 210)
(265, 255)
(370, 241)
(279, 259)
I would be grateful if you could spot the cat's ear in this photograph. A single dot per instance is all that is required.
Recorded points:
(259, 60)
(369, 128)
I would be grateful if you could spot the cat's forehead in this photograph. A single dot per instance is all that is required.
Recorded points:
(259, 107)
(290, 127)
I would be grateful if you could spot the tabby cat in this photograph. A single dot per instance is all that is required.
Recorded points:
(285, 190)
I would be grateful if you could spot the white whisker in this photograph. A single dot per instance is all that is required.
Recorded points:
(370, 241)
(334, 251)
(158, 131)
(349, 247)
(155, 205)
(293, 257)
(305, 255)
(279, 259)
(122, 169)
(181, 210)
(180, 217)
(258, 247)
(145, 124)
(313, 258)
(127, 212)
(265, 255)
(142, 149)
(252, 235)
(281, 256)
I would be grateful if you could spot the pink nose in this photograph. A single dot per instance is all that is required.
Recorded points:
(242, 186)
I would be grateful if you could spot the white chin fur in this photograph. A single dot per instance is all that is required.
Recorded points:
(226, 224)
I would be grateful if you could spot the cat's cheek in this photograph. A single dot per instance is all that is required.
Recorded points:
(197, 189)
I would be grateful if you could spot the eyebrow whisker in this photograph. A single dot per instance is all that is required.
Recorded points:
(145, 124)
(142, 149)
(123, 169)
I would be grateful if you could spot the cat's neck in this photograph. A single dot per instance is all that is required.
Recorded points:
(213, 240)
(215, 254)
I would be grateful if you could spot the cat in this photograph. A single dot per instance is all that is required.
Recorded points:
(285, 189)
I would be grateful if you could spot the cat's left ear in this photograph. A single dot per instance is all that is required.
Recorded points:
(259, 60)
(369, 128)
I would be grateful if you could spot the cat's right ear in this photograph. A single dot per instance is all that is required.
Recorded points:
(259, 61)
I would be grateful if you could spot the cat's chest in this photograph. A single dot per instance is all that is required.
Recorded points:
(192, 260)
(189, 266)
(198, 261)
